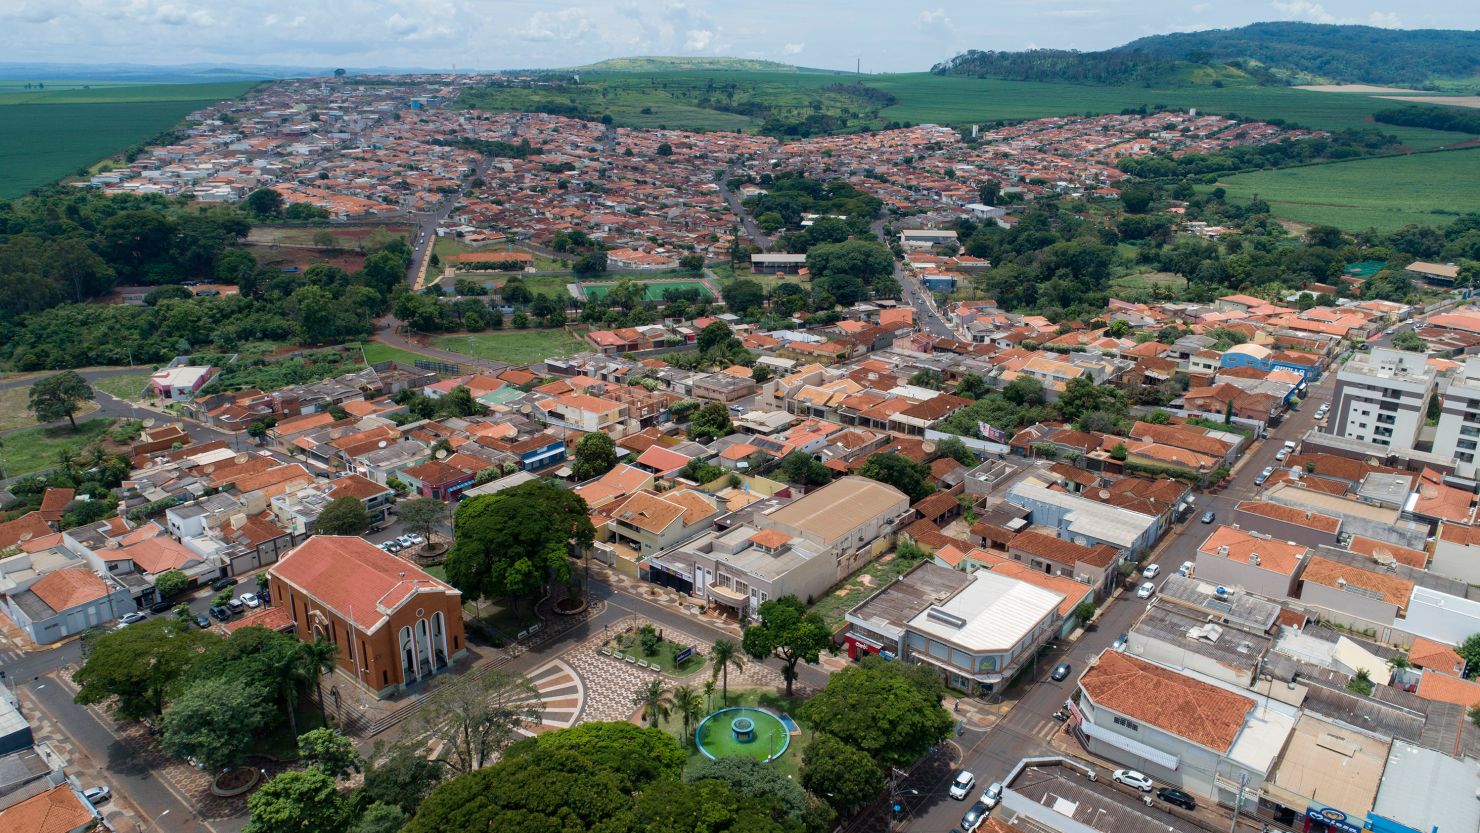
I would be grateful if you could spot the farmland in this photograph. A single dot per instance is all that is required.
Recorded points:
(1384, 194)
(49, 134)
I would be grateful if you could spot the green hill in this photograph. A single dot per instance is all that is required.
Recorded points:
(652, 63)
(1266, 53)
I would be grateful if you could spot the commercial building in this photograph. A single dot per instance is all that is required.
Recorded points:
(1382, 397)
(64, 603)
(1083, 521)
(180, 382)
(395, 625)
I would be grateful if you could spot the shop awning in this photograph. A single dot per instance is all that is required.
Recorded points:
(1162, 759)
(724, 595)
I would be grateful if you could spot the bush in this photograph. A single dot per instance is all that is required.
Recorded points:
(647, 637)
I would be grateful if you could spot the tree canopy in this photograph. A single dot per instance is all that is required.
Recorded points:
(512, 543)
(900, 472)
(59, 397)
(890, 712)
(787, 631)
(343, 516)
(596, 455)
(136, 668)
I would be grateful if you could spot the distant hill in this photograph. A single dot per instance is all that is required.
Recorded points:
(1258, 53)
(651, 63)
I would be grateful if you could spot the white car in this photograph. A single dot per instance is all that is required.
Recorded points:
(1281, 455)
(97, 795)
(992, 796)
(961, 787)
(1146, 590)
(1131, 778)
(416, 539)
(1185, 569)
(251, 600)
(1152, 571)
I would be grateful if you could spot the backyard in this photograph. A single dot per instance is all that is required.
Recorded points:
(861, 584)
(516, 347)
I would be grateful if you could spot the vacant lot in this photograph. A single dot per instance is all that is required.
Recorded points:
(1384, 194)
(13, 412)
(36, 449)
(48, 134)
(515, 346)
(652, 290)
(124, 385)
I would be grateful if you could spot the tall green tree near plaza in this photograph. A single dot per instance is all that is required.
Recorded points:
(650, 699)
(512, 544)
(381, 818)
(59, 396)
(215, 721)
(787, 631)
(136, 668)
(844, 776)
(343, 516)
(596, 455)
(319, 657)
(637, 755)
(421, 516)
(891, 714)
(475, 716)
(689, 707)
(900, 472)
(757, 780)
(724, 656)
(330, 751)
(306, 800)
(709, 693)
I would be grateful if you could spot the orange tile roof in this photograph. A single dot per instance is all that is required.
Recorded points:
(58, 810)
(1393, 590)
(272, 618)
(1275, 556)
(1435, 656)
(356, 486)
(67, 588)
(661, 459)
(153, 555)
(1291, 515)
(1200, 712)
(1377, 550)
(770, 538)
(355, 578)
(54, 501)
(28, 526)
(1447, 689)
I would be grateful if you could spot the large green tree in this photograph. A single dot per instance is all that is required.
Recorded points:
(891, 713)
(596, 455)
(511, 544)
(171, 583)
(135, 669)
(330, 751)
(787, 631)
(302, 800)
(475, 716)
(59, 396)
(711, 420)
(756, 779)
(724, 656)
(216, 721)
(843, 776)
(900, 472)
(343, 516)
(799, 467)
(422, 515)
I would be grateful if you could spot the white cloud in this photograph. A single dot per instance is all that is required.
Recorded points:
(1304, 10)
(933, 19)
(177, 16)
(792, 48)
(564, 25)
(1387, 20)
(696, 40)
(1201, 7)
(1075, 12)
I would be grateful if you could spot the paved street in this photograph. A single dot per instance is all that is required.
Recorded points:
(915, 294)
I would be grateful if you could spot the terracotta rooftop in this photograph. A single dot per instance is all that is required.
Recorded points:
(272, 618)
(355, 578)
(1381, 550)
(22, 529)
(1200, 712)
(770, 539)
(1291, 515)
(67, 588)
(1275, 556)
(58, 810)
(1435, 656)
(1390, 588)
(1447, 689)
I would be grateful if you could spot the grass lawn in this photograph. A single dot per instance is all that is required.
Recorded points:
(627, 644)
(1148, 280)
(1385, 194)
(124, 385)
(789, 763)
(35, 449)
(375, 353)
(859, 586)
(516, 347)
(13, 413)
(652, 290)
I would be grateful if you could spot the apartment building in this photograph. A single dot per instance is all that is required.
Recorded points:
(1381, 397)
(1459, 420)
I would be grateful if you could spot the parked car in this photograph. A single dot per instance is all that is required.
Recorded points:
(236, 606)
(130, 618)
(974, 817)
(392, 546)
(162, 606)
(1145, 590)
(1061, 672)
(201, 621)
(1176, 797)
(961, 787)
(222, 583)
(1290, 444)
(251, 600)
(416, 539)
(220, 612)
(1389, 331)
(405, 541)
(1151, 571)
(1186, 569)
(1131, 778)
(1281, 455)
(97, 795)
(992, 796)
(1119, 643)
(1208, 517)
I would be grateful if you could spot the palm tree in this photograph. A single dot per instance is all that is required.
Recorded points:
(290, 676)
(709, 694)
(651, 701)
(1400, 662)
(687, 707)
(726, 654)
(321, 655)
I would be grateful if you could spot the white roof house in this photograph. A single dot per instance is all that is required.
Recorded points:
(992, 613)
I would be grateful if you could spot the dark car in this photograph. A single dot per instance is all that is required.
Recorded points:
(221, 612)
(1208, 517)
(201, 621)
(236, 605)
(222, 583)
(1177, 798)
(162, 606)
(974, 817)
(1060, 672)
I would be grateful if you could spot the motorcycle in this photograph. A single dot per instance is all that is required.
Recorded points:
(1061, 715)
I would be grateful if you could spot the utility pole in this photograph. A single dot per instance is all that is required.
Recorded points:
(1243, 779)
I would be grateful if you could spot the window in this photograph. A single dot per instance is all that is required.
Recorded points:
(1386, 419)
(1129, 724)
(1469, 431)
(1467, 445)
(1464, 457)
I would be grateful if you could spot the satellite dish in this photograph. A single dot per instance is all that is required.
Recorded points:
(148, 422)
(242, 457)
(26, 536)
(928, 448)
(209, 468)
(525, 409)
(441, 454)
(381, 444)
(336, 433)
(1104, 494)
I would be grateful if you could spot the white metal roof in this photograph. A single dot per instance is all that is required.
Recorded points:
(992, 613)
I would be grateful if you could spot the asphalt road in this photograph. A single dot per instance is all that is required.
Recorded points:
(916, 295)
(747, 222)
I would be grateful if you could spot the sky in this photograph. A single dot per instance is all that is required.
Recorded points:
(884, 35)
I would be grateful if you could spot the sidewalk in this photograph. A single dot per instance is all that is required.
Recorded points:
(118, 814)
(671, 599)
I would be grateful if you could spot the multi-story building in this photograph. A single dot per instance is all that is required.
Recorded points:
(1459, 420)
(1382, 397)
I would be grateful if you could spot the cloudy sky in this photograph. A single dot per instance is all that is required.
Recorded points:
(886, 35)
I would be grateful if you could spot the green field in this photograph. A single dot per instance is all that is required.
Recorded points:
(1385, 194)
(375, 353)
(48, 134)
(35, 449)
(124, 385)
(652, 291)
(516, 347)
